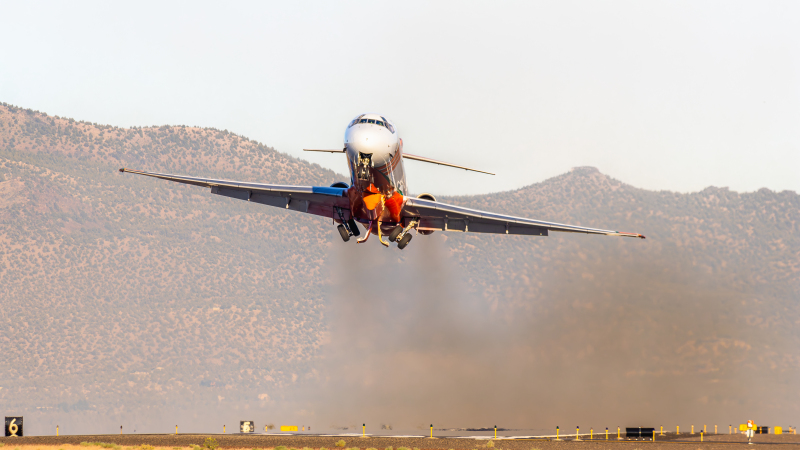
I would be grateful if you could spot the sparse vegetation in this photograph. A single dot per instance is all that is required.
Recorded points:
(210, 443)
(490, 444)
(88, 246)
(340, 443)
(103, 444)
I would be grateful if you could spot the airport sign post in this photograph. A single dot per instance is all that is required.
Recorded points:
(14, 426)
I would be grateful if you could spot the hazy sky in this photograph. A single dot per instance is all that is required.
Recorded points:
(670, 95)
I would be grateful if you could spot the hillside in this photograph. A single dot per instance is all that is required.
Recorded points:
(123, 294)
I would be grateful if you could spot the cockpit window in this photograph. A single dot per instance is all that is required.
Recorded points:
(355, 121)
(388, 125)
(382, 123)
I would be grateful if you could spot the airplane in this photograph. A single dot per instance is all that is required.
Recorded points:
(377, 196)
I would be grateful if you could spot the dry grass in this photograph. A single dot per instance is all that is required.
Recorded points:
(111, 446)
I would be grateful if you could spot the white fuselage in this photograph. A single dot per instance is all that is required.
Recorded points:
(375, 137)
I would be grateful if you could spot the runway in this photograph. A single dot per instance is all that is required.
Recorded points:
(263, 441)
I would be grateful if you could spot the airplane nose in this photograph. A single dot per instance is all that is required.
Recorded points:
(377, 142)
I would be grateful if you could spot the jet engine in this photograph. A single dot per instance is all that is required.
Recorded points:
(340, 184)
(426, 196)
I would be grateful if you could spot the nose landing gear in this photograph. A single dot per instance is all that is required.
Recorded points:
(364, 164)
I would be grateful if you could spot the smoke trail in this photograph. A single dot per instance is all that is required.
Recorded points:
(409, 346)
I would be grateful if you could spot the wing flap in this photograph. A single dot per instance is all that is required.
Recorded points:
(442, 216)
(315, 200)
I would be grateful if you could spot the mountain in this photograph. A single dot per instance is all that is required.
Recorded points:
(127, 298)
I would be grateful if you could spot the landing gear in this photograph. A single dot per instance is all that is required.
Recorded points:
(402, 237)
(404, 241)
(343, 233)
(348, 227)
(353, 228)
(395, 232)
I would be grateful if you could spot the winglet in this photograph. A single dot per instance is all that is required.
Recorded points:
(122, 170)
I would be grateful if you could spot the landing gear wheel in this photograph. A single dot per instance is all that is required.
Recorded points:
(343, 233)
(403, 242)
(395, 232)
(352, 224)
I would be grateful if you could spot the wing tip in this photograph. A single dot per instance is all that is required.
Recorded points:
(636, 235)
(122, 170)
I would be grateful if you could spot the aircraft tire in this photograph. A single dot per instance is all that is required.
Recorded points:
(343, 233)
(395, 232)
(354, 227)
(403, 242)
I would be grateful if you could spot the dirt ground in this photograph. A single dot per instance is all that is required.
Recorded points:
(181, 441)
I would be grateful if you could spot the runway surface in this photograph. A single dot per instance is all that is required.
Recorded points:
(262, 441)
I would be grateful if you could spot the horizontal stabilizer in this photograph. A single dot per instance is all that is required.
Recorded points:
(341, 150)
(441, 163)
(407, 156)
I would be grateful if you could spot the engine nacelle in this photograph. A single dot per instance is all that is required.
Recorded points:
(340, 184)
(426, 196)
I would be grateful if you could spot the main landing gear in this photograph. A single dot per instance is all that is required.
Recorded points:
(401, 244)
(343, 233)
(348, 227)
(395, 236)
(401, 235)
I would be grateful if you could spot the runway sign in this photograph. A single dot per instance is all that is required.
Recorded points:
(288, 427)
(13, 426)
(247, 426)
(639, 433)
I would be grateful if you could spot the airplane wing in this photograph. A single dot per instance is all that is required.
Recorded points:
(317, 200)
(441, 216)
